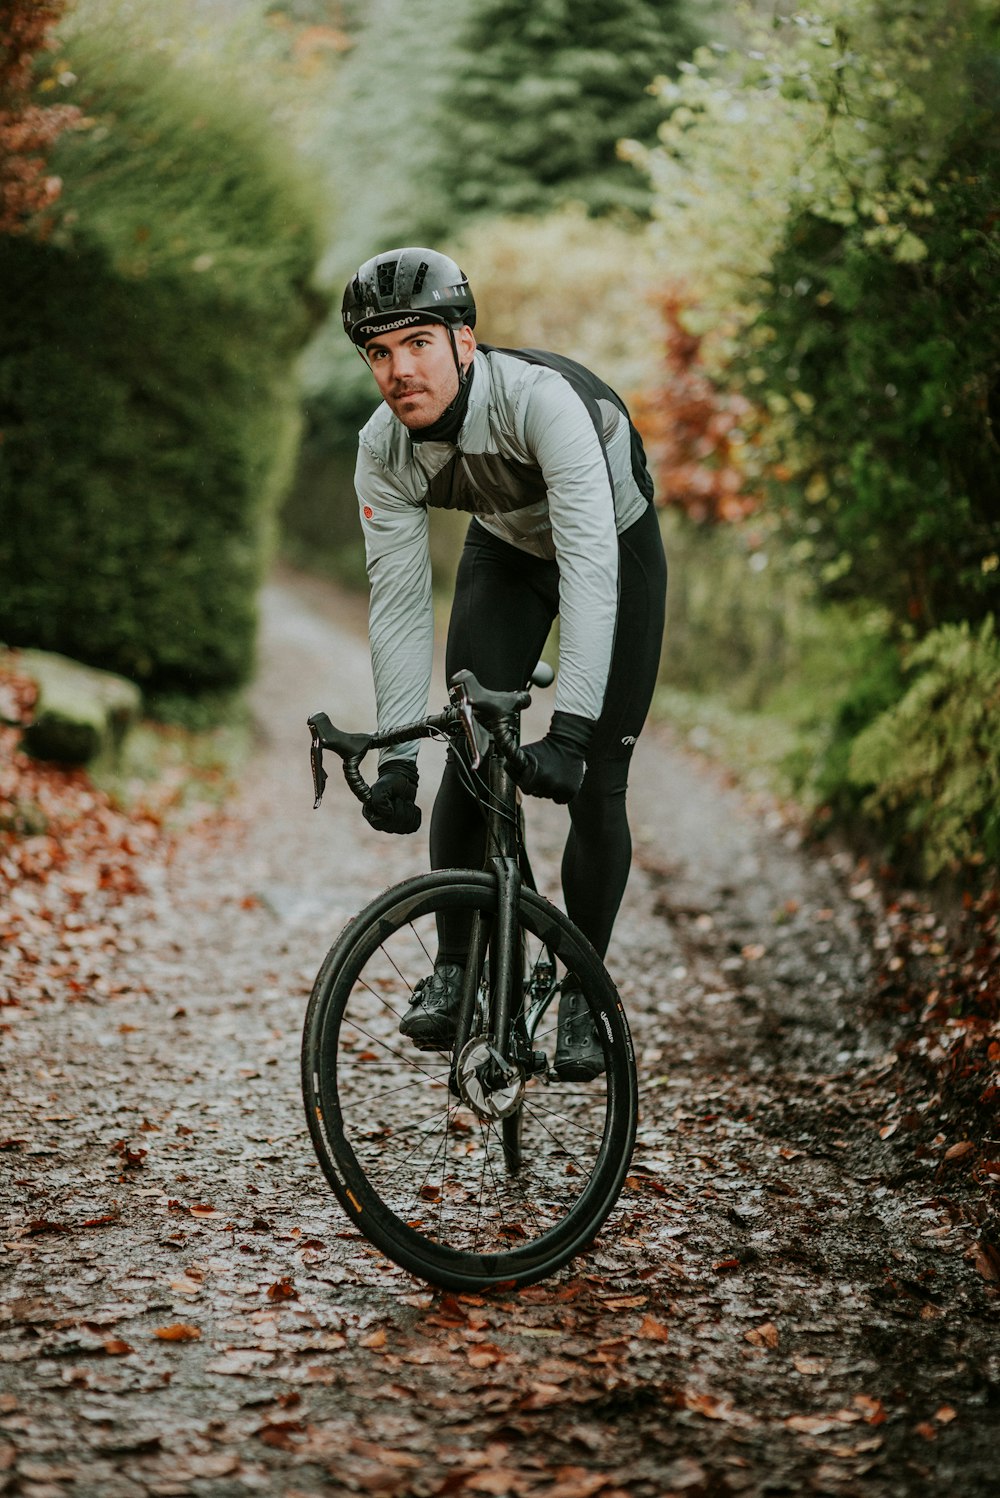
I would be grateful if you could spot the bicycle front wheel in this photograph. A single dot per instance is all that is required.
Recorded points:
(461, 1200)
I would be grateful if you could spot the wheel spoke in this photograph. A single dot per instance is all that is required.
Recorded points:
(420, 1154)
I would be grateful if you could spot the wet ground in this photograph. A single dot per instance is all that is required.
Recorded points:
(788, 1299)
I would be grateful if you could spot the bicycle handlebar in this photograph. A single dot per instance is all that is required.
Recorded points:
(494, 710)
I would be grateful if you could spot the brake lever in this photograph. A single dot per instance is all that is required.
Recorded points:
(461, 699)
(319, 775)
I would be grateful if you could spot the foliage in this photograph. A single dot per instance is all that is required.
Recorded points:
(825, 221)
(858, 231)
(413, 144)
(28, 128)
(695, 431)
(147, 392)
(545, 91)
(933, 759)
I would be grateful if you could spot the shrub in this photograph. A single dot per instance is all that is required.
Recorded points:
(932, 762)
(148, 402)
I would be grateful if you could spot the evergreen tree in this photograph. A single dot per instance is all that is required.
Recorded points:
(544, 91)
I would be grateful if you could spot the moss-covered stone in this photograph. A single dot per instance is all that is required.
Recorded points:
(82, 714)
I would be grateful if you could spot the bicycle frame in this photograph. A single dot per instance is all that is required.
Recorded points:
(506, 858)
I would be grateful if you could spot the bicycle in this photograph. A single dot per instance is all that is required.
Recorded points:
(474, 1166)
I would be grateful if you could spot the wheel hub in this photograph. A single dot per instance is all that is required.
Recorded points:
(490, 1087)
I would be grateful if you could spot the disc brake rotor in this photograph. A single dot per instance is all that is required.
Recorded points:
(490, 1088)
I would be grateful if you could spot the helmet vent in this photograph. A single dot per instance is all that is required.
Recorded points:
(387, 278)
(418, 280)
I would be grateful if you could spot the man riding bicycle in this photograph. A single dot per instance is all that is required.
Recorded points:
(544, 457)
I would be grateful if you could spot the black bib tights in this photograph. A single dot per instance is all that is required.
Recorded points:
(505, 602)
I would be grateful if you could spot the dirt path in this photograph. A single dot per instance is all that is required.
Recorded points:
(782, 1304)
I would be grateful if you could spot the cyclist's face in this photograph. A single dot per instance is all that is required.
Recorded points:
(414, 369)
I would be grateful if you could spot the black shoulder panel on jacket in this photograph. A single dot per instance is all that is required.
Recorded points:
(591, 389)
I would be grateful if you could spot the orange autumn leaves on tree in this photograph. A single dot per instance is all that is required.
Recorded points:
(695, 432)
(27, 129)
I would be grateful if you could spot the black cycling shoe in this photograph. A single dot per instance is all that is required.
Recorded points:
(432, 1018)
(579, 1057)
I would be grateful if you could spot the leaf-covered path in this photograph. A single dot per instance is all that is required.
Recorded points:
(787, 1301)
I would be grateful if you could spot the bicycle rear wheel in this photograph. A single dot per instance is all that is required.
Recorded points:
(427, 1179)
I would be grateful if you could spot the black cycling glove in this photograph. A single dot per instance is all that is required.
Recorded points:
(556, 764)
(392, 805)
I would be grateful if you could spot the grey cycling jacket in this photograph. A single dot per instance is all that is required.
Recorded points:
(548, 461)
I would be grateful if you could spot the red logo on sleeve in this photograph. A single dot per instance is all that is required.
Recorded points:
(368, 512)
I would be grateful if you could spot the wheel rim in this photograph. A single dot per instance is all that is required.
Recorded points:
(437, 1186)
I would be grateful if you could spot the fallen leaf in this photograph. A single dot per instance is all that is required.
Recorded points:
(986, 1260)
(873, 1410)
(283, 1289)
(945, 1415)
(545, 1395)
(279, 1433)
(813, 1425)
(496, 1481)
(186, 1286)
(483, 1355)
(708, 1405)
(652, 1330)
(927, 1430)
(762, 1336)
(576, 1482)
(374, 1339)
(385, 1454)
(957, 1151)
(809, 1365)
(116, 1348)
(178, 1332)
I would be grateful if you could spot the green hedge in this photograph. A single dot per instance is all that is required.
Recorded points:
(148, 400)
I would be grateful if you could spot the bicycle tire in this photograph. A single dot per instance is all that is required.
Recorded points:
(422, 1182)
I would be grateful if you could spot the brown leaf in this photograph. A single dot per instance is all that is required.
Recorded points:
(709, 1405)
(809, 1365)
(958, 1151)
(765, 1335)
(813, 1425)
(927, 1430)
(652, 1330)
(116, 1348)
(374, 1339)
(178, 1332)
(873, 1410)
(577, 1482)
(279, 1433)
(283, 1289)
(543, 1396)
(484, 1355)
(496, 1481)
(986, 1260)
(945, 1414)
(386, 1455)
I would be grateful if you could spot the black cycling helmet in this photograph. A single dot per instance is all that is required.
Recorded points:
(401, 288)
